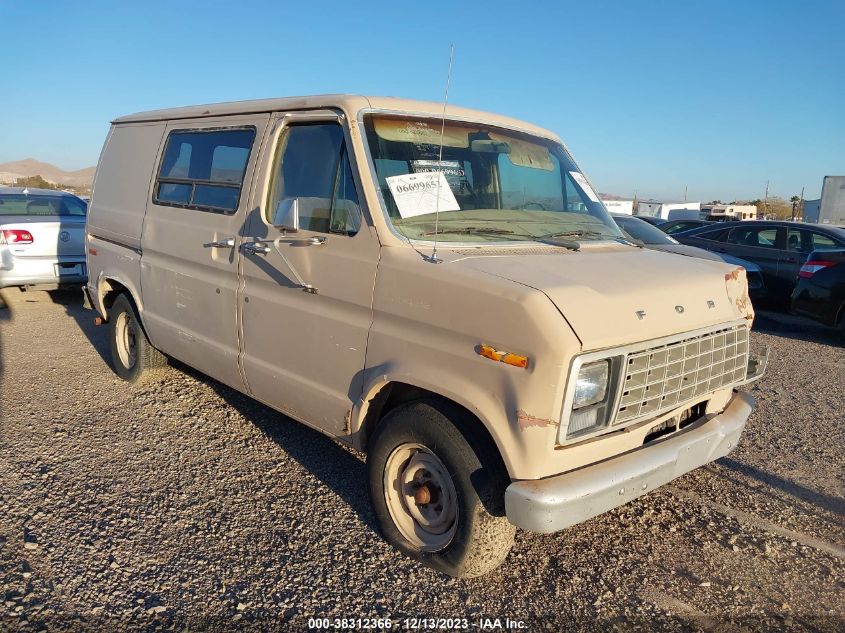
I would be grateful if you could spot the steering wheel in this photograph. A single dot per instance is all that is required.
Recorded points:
(536, 204)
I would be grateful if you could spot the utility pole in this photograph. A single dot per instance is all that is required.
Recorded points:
(685, 193)
(801, 203)
(766, 203)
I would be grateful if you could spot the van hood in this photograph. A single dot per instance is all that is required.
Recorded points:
(619, 295)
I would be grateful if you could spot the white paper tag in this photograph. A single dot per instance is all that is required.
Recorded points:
(417, 194)
(578, 177)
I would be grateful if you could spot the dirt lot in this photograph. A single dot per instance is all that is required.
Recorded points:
(186, 505)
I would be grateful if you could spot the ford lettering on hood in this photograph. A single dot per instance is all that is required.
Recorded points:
(611, 281)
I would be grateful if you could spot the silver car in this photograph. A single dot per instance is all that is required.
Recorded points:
(42, 237)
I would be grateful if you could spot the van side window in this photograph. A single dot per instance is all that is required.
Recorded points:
(204, 169)
(312, 166)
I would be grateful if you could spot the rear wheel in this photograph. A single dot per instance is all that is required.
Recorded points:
(133, 357)
(437, 491)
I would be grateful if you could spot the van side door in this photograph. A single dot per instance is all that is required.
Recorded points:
(307, 295)
(192, 230)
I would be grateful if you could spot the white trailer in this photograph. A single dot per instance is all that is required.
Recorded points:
(658, 209)
(832, 207)
(620, 206)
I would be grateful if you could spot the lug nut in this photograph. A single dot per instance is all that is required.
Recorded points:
(422, 495)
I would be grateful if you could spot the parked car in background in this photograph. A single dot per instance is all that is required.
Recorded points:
(820, 290)
(654, 238)
(671, 227)
(42, 238)
(654, 221)
(779, 248)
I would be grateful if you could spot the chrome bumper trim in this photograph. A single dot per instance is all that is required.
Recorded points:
(552, 504)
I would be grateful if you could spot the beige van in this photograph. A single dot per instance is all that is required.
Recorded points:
(446, 293)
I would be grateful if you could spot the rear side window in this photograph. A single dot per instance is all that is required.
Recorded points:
(680, 226)
(29, 204)
(758, 237)
(204, 169)
(717, 235)
(821, 242)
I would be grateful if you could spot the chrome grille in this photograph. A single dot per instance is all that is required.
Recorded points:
(667, 376)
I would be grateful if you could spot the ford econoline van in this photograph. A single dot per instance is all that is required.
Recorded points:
(444, 292)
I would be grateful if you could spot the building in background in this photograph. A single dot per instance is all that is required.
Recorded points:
(679, 210)
(812, 209)
(725, 212)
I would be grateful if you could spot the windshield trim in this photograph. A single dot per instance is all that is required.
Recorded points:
(373, 175)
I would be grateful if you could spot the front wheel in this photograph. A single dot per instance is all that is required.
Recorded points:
(438, 492)
(133, 357)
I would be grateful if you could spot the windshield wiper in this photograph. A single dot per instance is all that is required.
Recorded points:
(576, 233)
(472, 230)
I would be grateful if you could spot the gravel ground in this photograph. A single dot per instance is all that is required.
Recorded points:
(184, 504)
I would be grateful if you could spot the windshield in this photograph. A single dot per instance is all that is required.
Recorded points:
(35, 204)
(490, 184)
(642, 230)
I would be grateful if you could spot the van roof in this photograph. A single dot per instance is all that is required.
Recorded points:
(346, 102)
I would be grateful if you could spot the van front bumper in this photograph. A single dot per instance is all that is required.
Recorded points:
(552, 504)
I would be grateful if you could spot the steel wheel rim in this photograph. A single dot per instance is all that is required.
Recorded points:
(125, 339)
(421, 497)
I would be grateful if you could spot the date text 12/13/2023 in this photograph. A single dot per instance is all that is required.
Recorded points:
(417, 624)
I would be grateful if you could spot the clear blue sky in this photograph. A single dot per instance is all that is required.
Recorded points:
(649, 96)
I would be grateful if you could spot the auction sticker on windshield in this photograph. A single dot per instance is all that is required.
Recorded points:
(578, 177)
(422, 193)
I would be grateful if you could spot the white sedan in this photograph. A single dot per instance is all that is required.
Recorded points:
(42, 237)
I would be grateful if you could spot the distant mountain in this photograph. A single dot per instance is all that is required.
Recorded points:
(9, 172)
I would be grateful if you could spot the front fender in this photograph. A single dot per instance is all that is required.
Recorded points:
(429, 322)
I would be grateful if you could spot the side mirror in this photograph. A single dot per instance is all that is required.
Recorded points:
(286, 214)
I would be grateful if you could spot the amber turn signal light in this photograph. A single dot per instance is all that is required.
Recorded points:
(502, 357)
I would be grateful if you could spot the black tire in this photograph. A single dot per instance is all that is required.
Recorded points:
(133, 357)
(482, 535)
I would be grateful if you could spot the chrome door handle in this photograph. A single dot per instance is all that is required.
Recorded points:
(229, 242)
(256, 248)
(316, 241)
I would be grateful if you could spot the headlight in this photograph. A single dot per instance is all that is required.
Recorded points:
(591, 386)
(589, 410)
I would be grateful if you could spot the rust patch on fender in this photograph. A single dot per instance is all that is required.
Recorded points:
(526, 420)
(736, 284)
